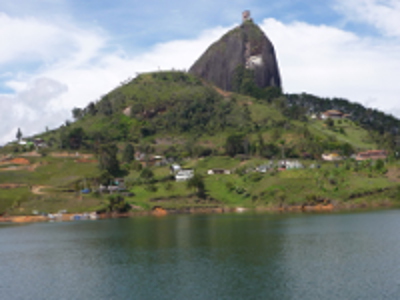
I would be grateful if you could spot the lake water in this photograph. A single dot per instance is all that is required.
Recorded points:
(303, 256)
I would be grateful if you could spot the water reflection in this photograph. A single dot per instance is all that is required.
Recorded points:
(343, 256)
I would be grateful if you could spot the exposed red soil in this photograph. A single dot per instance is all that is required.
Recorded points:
(16, 161)
(159, 212)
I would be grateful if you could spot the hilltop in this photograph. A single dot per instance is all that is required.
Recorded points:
(243, 56)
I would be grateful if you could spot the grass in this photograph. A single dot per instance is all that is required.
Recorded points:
(53, 203)
(354, 135)
(229, 189)
(216, 162)
(59, 172)
(291, 187)
(260, 112)
(13, 197)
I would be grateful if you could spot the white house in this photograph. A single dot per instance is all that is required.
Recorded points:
(290, 164)
(218, 171)
(174, 168)
(332, 114)
(184, 174)
(331, 157)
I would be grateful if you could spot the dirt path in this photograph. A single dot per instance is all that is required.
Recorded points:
(37, 189)
(393, 174)
(30, 154)
(67, 154)
(11, 185)
(30, 168)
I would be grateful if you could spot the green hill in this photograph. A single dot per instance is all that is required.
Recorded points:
(165, 108)
(182, 118)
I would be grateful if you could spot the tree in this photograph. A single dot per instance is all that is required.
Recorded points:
(270, 150)
(380, 166)
(77, 113)
(234, 144)
(197, 182)
(105, 107)
(116, 203)
(76, 137)
(108, 159)
(91, 109)
(330, 123)
(19, 135)
(282, 143)
(272, 92)
(63, 139)
(147, 175)
(347, 149)
(128, 154)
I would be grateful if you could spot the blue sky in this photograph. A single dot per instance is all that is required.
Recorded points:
(61, 54)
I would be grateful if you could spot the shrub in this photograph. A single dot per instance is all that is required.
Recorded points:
(116, 203)
(255, 177)
(151, 188)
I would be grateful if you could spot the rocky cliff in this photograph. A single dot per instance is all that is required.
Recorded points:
(245, 46)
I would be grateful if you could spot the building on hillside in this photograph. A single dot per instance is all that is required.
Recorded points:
(331, 157)
(184, 174)
(218, 171)
(39, 143)
(150, 160)
(140, 156)
(156, 160)
(120, 182)
(175, 168)
(289, 164)
(332, 114)
(264, 168)
(372, 154)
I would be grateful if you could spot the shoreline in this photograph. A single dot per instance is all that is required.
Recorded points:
(158, 211)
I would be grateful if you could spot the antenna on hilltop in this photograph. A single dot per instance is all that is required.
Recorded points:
(246, 16)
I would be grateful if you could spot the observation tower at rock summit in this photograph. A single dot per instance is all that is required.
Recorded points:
(246, 46)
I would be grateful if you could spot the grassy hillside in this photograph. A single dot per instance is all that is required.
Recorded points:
(56, 183)
(176, 108)
(185, 120)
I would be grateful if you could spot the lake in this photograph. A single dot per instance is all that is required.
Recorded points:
(242, 256)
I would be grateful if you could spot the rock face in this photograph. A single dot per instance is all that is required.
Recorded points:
(246, 46)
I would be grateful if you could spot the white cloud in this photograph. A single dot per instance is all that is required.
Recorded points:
(31, 40)
(330, 62)
(382, 14)
(75, 69)
(80, 71)
(29, 109)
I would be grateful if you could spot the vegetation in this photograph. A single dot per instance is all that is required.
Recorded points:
(173, 117)
(19, 134)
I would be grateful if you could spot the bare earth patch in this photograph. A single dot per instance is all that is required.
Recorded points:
(393, 174)
(11, 185)
(15, 161)
(37, 189)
